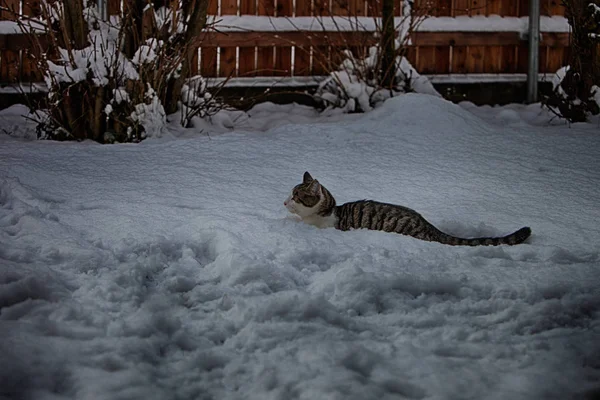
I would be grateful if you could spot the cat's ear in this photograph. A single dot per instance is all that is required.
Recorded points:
(307, 178)
(315, 187)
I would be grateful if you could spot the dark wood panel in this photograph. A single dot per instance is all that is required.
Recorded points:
(301, 61)
(227, 62)
(208, 62)
(281, 39)
(283, 61)
(246, 61)
(465, 38)
(475, 59)
(426, 60)
(295, 38)
(459, 60)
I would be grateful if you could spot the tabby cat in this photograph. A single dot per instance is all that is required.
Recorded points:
(316, 206)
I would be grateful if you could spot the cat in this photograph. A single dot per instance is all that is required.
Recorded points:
(315, 205)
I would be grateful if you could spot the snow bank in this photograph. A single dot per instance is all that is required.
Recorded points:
(171, 270)
(493, 23)
(18, 122)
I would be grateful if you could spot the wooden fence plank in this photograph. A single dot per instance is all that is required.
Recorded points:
(283, 61)
(543, 60)
(522, 58)
(208, 61)
(460, 7)
(283, 55)
(425, 59)
(113, 7)
(340, 7)
(442, 59)
(442, 8)
(279, 39)
(213, 7)
(247, 59)
(478, 7)
(523, 8)
(303, 8)
(349, 39)
(301, 61)
(464, 38)
(10, 59)
(229, 7)
(228, 54)
(265, 61)
(357, 8)
(475, 59)
(494, 7)
(504, 8)
(285, 8)
(29, 69)
(247, 7)
(398, 7)
(321, 60)
(509, 59)
(322, 8)
(373, 7)
(556, 58)
(227, 61)
(556, 8)
(30, 54)
(10, 66)
(492, 59)
(544, 7)
(555, 39)
(32, 8)
(459, 60)
(266, 7)
(12, 10)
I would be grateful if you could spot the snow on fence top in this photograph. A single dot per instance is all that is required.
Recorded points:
(301, 38)
(492, 23)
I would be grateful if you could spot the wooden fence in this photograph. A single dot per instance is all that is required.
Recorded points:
(446, 43)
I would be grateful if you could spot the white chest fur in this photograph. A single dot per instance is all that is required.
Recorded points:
(320, 222)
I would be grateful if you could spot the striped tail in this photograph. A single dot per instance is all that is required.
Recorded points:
(514, 238)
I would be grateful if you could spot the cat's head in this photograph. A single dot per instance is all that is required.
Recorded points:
(309, 198)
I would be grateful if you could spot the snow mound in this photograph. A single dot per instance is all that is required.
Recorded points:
(439, 113)
(16, 121)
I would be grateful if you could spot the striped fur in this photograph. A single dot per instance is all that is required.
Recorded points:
(316, 205)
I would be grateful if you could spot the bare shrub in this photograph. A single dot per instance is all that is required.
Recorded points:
(116, 80)
(373, 67)
(575, 94)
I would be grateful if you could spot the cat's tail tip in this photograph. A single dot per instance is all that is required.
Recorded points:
(520, 236)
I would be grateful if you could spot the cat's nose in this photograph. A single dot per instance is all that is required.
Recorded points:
(285, 203)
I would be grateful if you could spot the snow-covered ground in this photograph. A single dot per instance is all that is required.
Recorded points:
(171, 269)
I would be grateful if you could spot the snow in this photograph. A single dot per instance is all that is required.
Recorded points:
(13, 28)
(484, 78)
(493, 23)
(232, 23)
(101, 61)
(308, 81)
(170, 269)
(146, 53)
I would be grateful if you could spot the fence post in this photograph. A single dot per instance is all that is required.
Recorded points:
(102, 9)
(534, 51)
